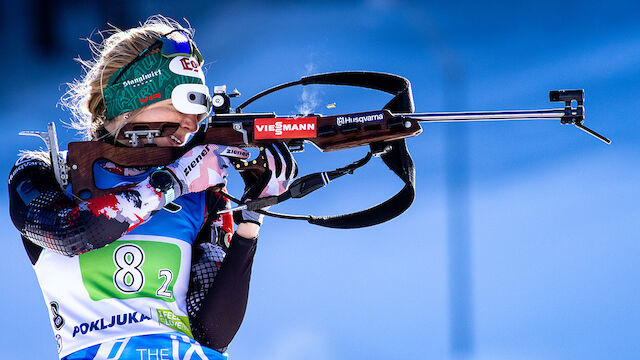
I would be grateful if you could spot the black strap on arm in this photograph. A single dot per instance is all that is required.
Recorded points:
(394, 154)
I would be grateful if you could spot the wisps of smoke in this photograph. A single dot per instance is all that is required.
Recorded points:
(309, 98)
(310, 68)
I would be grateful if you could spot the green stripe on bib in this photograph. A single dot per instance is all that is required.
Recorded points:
(131, 269)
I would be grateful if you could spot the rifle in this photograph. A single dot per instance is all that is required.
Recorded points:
(382, 130)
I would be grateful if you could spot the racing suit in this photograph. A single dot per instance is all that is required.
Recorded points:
(125, 277)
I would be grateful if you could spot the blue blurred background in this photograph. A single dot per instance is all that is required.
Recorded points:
(523, 239)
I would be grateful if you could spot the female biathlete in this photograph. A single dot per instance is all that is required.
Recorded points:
(125, 275)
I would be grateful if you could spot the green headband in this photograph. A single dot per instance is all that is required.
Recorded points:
(149, 80)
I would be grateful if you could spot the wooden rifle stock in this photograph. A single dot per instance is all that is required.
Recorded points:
(327, 133)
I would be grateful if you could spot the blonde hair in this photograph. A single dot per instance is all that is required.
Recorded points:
(118, 47)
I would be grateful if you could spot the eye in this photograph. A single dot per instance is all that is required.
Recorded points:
(192, 97)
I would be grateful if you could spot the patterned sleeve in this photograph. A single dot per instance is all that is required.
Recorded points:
(218, 291)
(45, 216)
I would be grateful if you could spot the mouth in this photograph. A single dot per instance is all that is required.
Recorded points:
(175, 139)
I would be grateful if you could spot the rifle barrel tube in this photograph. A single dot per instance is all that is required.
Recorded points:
(487, 115)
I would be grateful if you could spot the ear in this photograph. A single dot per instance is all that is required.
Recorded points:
(117, 122)
(114, 125)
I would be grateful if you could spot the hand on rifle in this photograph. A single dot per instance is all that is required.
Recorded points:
(280, 171)
(203, 166)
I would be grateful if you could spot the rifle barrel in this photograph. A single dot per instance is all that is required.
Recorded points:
(547, 114)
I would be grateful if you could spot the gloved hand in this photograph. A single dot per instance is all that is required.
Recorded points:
(281, 170)
(204, 166)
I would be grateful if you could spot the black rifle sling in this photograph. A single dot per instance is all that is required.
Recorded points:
(398, 160)
(395, 155)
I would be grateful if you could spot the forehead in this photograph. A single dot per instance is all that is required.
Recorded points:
(154, 112)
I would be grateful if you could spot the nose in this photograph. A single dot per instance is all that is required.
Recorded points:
(189, 122)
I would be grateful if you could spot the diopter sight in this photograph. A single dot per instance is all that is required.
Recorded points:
(221, 100)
